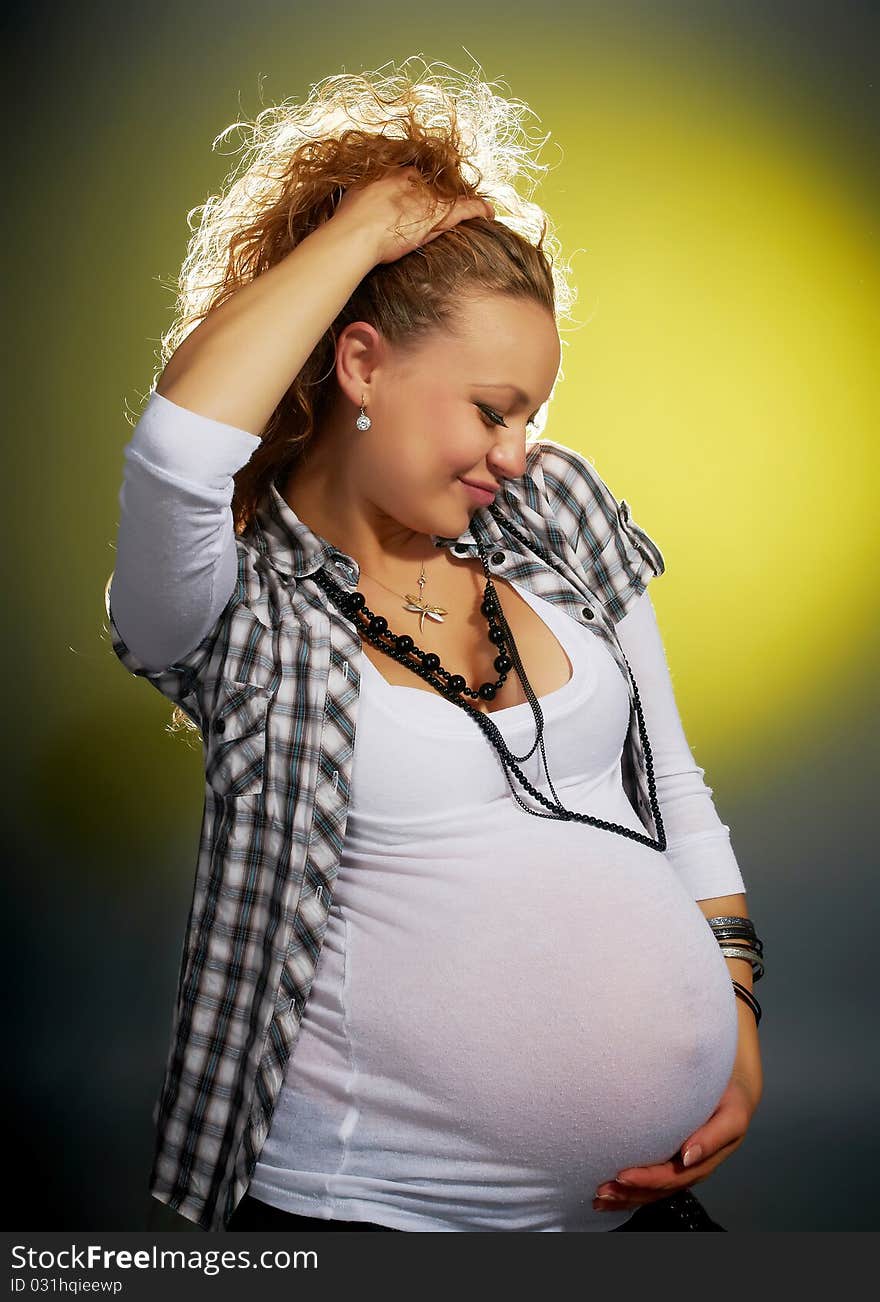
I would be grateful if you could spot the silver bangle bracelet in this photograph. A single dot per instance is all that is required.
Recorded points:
(738, 951)
(736, 936)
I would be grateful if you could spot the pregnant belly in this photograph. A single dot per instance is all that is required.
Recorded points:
(571, 1012)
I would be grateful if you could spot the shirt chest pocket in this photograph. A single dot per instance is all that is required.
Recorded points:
(235, 744)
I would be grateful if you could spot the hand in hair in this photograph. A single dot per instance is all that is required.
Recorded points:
(403, 212)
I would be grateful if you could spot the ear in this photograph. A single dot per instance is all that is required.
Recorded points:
(360, 351)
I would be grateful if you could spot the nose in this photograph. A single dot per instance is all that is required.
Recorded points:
(507, 457)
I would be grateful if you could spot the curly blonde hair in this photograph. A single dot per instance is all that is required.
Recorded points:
(298, 158)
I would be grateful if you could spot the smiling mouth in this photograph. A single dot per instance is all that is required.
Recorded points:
(482, 496)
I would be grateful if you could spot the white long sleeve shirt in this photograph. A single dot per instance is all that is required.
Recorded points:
(506, 1009)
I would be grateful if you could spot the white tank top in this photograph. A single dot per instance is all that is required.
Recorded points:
(507, 1010)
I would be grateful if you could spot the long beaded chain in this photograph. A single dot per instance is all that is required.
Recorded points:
(453, 687)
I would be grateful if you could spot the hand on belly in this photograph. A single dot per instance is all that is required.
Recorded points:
(567, 1045)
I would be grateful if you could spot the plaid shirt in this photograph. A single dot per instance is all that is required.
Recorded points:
(273, 687)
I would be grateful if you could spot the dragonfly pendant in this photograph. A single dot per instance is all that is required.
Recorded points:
(425, 610)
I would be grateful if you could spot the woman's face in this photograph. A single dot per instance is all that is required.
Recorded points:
(448, 410)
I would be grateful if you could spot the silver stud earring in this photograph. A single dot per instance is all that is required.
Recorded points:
(363, 421)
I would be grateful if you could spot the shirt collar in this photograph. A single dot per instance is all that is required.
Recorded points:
(294, 551)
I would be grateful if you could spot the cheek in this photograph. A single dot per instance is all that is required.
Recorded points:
(440, 441)
(461, 446)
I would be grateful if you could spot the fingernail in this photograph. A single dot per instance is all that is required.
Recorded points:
(622, 1180)
(693, 1154)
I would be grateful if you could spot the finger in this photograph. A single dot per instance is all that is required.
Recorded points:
(670, 1175)
(478, 207)
(613, 1189)
(647, 1177)
(629, 1201)
(726, 1126)
(463, 209)
(675, 1175)
(724, 1131)
(460, 211)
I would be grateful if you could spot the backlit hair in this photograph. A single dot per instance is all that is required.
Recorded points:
(464, 140)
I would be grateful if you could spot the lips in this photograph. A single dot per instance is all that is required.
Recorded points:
(487, 491)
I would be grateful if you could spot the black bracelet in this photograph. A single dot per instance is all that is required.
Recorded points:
(747, 997)
(738, 935)
(726, 920)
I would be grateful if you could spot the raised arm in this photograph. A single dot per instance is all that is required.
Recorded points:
(176, 559)
(239, 362)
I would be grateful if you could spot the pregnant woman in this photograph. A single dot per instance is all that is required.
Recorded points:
(468, 947)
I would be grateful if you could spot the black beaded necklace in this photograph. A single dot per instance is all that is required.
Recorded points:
(453, 687)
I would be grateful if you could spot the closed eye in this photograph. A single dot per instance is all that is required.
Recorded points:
(497, 419)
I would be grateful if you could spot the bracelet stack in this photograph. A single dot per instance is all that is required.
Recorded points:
(737, 938)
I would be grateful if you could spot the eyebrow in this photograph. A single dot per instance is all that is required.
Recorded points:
(512, 388)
